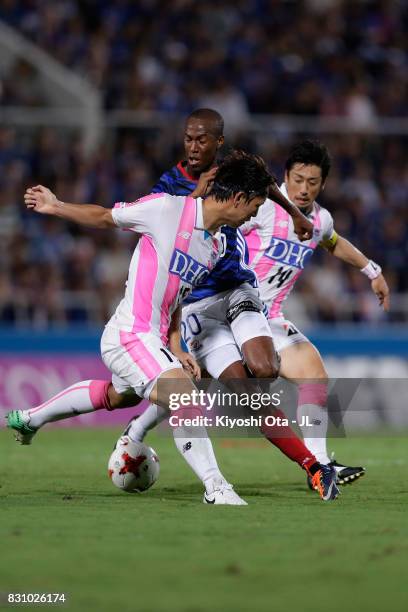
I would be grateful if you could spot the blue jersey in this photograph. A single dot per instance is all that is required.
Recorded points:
(232, 269)
(176, 181)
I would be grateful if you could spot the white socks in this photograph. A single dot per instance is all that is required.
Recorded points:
(314, 436)
(196, 448)
(79, 398)
(192, 442)
(152, 416)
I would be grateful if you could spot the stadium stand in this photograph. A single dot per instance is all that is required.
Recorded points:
(162, 59)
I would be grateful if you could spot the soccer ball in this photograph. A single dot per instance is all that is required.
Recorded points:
(133, 466)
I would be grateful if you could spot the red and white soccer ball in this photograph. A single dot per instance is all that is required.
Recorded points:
(133, 467)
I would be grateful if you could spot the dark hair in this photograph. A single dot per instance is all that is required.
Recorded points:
(212, 117)
(310, 152)
(240, 171)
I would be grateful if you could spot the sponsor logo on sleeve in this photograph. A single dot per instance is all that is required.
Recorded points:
(184, 235)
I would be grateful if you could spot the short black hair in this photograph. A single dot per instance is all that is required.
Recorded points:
(210, 115)
(310, 152)
(241, 171)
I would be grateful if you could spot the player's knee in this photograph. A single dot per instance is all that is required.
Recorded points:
(115, 399)
(264, 366)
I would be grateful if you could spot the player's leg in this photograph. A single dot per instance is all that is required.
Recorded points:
(199, 321)
(201, 333)
(253, 336)
(193, 442)
(80, 398)
(139, 425)
(250, 329)
(210, 339)
(143, 364)
(301, 362)
(224, 363)
(235, 378)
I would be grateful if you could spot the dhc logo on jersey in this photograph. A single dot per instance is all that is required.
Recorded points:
(288, 252)
(187, 268)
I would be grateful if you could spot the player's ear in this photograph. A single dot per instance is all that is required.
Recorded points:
(220, 142)
(239, 198)
(323, 186)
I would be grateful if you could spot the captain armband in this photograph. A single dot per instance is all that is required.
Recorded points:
(371, 270)
(330, 243)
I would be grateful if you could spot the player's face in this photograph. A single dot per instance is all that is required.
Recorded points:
(200, 146)
(243, 209)
(304, 183)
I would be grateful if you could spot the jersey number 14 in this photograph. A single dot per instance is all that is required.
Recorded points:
(281, 276)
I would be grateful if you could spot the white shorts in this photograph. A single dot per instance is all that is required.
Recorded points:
(285, 333)
(214, 329)
(135, 360)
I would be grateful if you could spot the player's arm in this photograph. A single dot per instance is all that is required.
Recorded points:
(42, 200)
(347, 252)
(186, 359)
(302, 226)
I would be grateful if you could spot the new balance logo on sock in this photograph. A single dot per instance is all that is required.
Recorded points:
(186, 447)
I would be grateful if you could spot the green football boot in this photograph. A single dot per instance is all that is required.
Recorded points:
(17, 420)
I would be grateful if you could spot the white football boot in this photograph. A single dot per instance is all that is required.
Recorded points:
(219, 491)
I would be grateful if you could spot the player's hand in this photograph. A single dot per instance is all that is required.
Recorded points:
(381, 290)
(303, 227)
(40, 199)
(204, 183)
(189, 364)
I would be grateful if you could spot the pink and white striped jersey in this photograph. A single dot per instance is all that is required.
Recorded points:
(276, 253)
(172, 256)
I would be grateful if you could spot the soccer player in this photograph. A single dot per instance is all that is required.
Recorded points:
(279, 259)
(180, 243)
(203, 137)
(215, 340)
(231, 290)
(203, 134)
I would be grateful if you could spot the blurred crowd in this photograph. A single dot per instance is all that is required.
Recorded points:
(53, 272)
(312, 57)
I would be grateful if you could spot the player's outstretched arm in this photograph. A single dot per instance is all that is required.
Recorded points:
(302, 226)
(42, 200)
(344, 250)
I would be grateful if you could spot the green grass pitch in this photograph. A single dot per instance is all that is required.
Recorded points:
(65, 528)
